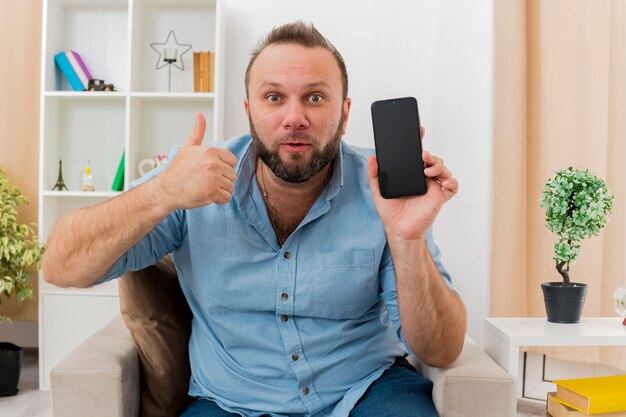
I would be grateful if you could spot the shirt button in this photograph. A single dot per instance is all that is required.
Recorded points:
(305, 390)
(284, 297)
(284, 318)
(287, 255)
(295, 357)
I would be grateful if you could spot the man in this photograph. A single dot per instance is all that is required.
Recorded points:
(306, 286)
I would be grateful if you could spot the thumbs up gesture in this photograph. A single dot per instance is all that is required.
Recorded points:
(198, 175)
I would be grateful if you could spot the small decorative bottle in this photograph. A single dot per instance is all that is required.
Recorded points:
(87, 183)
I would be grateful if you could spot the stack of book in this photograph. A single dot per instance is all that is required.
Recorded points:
(604, 396)
(74, 69)
(204, 72)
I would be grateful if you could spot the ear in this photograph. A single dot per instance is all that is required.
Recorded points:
(246, 107)
(347, 103)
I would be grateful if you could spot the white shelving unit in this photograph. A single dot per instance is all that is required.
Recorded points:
(140, 119)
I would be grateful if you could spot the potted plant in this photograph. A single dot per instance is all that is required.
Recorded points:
(577, 205)
(19, 249)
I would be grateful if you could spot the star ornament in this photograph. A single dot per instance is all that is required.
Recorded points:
(170, 44)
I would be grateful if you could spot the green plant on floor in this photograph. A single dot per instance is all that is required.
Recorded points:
(19, 246)
(577, 205)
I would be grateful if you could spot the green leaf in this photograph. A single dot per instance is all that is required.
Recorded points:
(577, 206)
(19, 246)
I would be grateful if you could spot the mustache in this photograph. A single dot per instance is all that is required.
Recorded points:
(297, 136)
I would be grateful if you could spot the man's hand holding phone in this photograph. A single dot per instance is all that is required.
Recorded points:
(410, 217)
(417, 183)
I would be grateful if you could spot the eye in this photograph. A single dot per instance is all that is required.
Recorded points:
(274, 98)
(315, 98)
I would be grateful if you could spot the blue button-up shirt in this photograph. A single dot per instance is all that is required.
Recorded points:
(302, 329)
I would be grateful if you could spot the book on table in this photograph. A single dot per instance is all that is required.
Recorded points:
(604, 394)
(556, 409)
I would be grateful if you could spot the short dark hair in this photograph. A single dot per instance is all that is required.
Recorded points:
(302, 34)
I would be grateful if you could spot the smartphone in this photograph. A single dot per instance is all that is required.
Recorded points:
(398, 142)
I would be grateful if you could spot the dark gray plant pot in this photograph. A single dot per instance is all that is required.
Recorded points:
(10, 368)
(564, 304)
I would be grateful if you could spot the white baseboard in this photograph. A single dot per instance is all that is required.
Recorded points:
(21, 333)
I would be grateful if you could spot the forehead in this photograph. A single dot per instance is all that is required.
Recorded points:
(293, 65)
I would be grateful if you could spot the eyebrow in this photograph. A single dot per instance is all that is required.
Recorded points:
(308, 86)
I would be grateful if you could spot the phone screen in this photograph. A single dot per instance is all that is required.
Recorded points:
(398, 143)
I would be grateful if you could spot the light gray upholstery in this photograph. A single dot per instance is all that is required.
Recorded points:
(101, 378)
(474, 385)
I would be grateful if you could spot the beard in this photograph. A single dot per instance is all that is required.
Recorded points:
(298, 171)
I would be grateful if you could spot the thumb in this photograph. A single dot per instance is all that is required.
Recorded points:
(372, 175)
(197, 133)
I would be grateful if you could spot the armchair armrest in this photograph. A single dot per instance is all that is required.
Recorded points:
(98, 378)
(473, 385)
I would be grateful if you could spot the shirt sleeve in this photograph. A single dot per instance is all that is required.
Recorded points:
(388, 289)
(163, 239)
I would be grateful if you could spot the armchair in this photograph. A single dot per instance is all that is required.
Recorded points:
(118, 374)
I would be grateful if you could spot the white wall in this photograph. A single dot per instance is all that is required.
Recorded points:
(438, 51)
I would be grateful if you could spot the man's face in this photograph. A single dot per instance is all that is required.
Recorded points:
(296, 111)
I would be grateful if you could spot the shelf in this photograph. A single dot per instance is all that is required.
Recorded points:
(90, 3)
(98, 95)
(119, 95)
(193, 23)
(178, 3)
(97, 30)
(173, 96)
(158, 124)
(76, 130)
(82, 194)
(140, 119)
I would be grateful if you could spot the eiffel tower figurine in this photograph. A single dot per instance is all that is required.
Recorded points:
(60, 183)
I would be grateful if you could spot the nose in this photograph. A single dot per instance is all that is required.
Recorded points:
(295, 118)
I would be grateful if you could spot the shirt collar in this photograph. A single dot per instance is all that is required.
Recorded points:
(336, 181)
